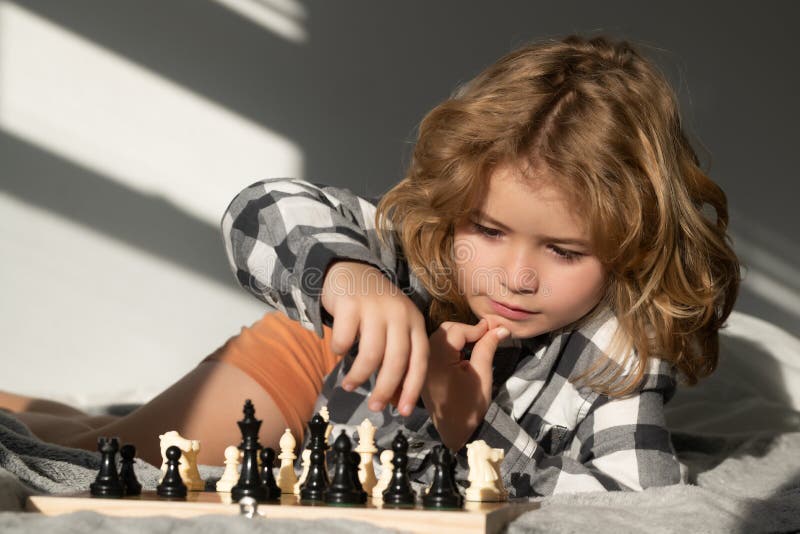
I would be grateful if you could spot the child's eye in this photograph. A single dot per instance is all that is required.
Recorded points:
(488, 232)
(566, 255)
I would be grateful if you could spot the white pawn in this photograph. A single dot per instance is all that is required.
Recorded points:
(486, 483)
(366, 448)
(230, 476)
(386, 475)
(305, 458)
(286, 478)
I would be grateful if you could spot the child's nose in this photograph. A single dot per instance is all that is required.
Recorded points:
(522, 274)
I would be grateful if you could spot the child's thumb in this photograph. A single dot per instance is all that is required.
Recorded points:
(483, 356)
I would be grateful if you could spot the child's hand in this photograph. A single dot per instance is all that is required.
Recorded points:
(457, 392)
(390, 329)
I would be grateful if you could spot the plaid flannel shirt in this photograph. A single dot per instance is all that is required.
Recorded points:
(281, 234)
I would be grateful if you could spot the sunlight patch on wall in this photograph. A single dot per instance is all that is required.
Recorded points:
(282, 17)
(768, 276)
(64, 93)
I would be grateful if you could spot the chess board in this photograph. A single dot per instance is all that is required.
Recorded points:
(483, 517)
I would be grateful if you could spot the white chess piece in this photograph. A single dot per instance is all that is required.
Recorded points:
(486, 484)
(230, 476)
(366, 449)
(325, 414)
(287, 478)
(305, 458)
(188, 462)
(386, 475)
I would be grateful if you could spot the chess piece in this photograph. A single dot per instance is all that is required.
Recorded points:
(286, 475)
(399, 492)
(230, 476)
(189, 449)
(355, 459)
(443, 492)
(271, 490)
(313, 489)
(325, 414)
(249, 484)
(486, 483)
(343, 489)
(131, 486)
(386, 475)
(366, 450)
(172, 487)
(305, 457)
(107, 483)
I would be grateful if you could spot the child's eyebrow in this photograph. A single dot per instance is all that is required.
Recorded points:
(570, 240)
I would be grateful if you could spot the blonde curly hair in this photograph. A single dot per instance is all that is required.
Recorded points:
(604, 120)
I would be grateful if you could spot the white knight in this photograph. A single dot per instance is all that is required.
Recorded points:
(486, 483)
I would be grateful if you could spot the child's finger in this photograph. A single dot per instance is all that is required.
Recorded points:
(395, 400)
(483, 355)
(459, 334)
(343, 332)
(393, 367)
(371, 347)
(417, 370)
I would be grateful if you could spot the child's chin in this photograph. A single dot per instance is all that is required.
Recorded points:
(515, 327)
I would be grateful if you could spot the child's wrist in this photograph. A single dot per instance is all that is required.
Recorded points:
(339, 279)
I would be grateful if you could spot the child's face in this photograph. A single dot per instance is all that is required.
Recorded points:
(516, 254)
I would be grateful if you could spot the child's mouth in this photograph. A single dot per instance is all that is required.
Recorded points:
(510, 313)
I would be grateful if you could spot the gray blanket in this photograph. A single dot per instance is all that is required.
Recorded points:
(738, 484)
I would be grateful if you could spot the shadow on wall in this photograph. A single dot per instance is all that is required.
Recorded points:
(147, 222)
(351, 94)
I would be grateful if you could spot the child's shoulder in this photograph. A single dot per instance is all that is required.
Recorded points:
(597, 350)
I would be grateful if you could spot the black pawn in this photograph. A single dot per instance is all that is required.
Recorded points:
(129, 482)
(313, 489)
(249, 484)
(107, 483)
(443, 492)
(343, 489)
(355, 458)
(399, 492)
(172, 486)
(271, 489)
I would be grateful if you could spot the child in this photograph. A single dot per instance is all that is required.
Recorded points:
(539, 279)
(553, 216)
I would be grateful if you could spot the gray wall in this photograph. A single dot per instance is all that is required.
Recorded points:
(348, 94)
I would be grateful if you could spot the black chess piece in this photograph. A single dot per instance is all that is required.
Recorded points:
(343, 489)
(249, 484)
(355, 459)
(399, 492)
(107, 483)
(130, 484)
(172, 486)
(313, 489)
(443, 492)
(271, 490)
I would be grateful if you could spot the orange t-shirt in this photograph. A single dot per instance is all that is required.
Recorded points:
(287, 360)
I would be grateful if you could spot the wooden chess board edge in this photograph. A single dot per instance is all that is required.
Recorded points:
(479, 517)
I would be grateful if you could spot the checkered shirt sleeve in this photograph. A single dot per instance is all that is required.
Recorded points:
(281, 235)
